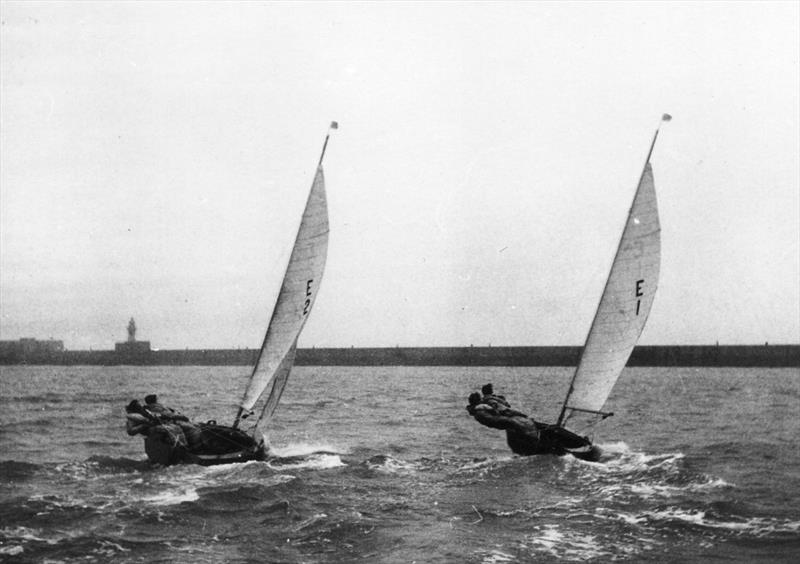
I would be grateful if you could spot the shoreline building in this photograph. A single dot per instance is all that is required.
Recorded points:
(132, 351)
(28, 349)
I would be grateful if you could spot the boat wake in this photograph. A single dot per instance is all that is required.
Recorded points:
(303, 449)
(386, 464)
(118, 464)
(296, 456)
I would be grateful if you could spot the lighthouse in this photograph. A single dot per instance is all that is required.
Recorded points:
(133, 351)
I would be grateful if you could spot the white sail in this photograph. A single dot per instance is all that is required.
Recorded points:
(298, 292)
(624, 305)
(278, 384)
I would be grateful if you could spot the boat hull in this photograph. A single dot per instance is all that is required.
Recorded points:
(553, 440)
(206, 444)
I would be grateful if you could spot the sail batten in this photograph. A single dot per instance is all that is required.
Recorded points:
(624, 305)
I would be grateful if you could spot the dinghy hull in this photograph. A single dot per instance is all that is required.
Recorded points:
(552, 440)
(206, 444)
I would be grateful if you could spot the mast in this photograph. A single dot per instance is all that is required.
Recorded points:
(664, 118)
(333, 125)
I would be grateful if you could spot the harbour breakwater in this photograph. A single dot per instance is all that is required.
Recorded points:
(663, 355)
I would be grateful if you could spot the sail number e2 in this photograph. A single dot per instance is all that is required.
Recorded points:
(639, 294)
(308, 297)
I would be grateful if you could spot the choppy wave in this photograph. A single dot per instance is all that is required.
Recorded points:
(390, 465)
(13, 471)
(172, 496)
(319, 461)
(757, 526)
(118, 464)
(565, 543)
(303, 449)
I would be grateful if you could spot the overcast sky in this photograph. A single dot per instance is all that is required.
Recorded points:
(155, 158)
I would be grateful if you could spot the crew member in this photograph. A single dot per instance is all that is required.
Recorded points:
(522, 432)
(504, 418)
(497, 401)
(524, 435)
(137, 419)
(160, 411)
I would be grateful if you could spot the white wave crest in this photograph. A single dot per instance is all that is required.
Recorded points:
(22, 533)
(497, 557)
(648, 490)
(484, 463)
(173, 497)
(391, 465)
(314, 462)
(617, 447)
(568, 544)
(303, 449)
(757, 526)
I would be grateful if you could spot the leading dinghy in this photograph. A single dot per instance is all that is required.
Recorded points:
(171, 438)
(618, 322)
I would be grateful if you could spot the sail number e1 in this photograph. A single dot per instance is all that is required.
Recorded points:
(308, 297)
(639, 294)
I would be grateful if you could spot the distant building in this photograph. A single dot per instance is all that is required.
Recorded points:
(132, 351)
(30, 350)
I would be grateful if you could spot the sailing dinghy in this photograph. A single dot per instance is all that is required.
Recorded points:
(170, 438)
(618, 323)
(623, 309)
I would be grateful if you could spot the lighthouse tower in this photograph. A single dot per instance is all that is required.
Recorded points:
(133, 351)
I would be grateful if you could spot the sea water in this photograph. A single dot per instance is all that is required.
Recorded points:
(383, 464)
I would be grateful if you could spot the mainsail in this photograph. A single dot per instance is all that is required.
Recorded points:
(295, 300)
(624, 305)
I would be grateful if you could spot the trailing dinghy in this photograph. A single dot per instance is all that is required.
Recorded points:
(170, 440)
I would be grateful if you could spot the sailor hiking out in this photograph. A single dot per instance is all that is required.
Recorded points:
(170, 437)
(524, 435)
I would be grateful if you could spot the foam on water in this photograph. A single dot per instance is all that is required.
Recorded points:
(11, 550)
(757, 526)
(390, 465)
(172, 497)
(482, 467)
(496, 557)
(558, 542)
(22, 533)
(312, 462)
(648, 490)
(627, 460)
(303, 449)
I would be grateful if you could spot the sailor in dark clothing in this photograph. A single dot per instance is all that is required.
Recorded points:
(137, 419)
(160, 411)
(497, 401)
(501, 417)
(523, 434)
(146, 419)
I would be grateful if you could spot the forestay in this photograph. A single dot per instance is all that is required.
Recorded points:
(298, 292)
(624, 305)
